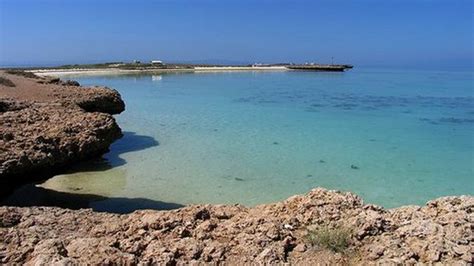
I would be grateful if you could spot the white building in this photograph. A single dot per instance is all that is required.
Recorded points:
(156, 62)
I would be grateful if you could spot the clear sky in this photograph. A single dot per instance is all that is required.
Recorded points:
(403, 33)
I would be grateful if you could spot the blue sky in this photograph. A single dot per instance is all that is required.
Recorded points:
(399, 33)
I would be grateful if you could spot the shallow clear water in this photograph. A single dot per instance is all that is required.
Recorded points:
(393, 137)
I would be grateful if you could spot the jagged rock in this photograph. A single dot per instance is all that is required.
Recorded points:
(9, 218)
(71, 83)
(440, 232)
(46, 126)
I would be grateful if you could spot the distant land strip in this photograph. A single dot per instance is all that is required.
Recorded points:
(160, 67)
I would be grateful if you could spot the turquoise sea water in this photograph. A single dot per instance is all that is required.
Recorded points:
(394, 137)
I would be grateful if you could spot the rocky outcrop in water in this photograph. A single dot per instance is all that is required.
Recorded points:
(46, 123)
(441, 231)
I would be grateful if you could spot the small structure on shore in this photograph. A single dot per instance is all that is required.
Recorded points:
(260, 65)
(157, 62)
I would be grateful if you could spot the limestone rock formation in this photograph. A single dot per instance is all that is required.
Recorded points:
(441, 231)
(47, 123)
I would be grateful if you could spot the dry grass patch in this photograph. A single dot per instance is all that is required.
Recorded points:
(334, 239)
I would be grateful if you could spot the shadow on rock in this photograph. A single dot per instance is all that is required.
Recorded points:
(31, 195)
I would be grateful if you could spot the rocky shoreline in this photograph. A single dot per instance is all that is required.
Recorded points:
(47, 124)
(441, 232)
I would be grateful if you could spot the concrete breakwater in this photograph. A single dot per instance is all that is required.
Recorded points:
(318, 67)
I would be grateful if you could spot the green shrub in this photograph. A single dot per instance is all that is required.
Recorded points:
(335, 239)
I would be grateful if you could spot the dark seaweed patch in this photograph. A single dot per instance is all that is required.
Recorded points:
(345, 106)
(350, 101)
(448, 120)
(369, 108)
(456, 120)
(311, 110)
(244, 99)
(266, 101)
